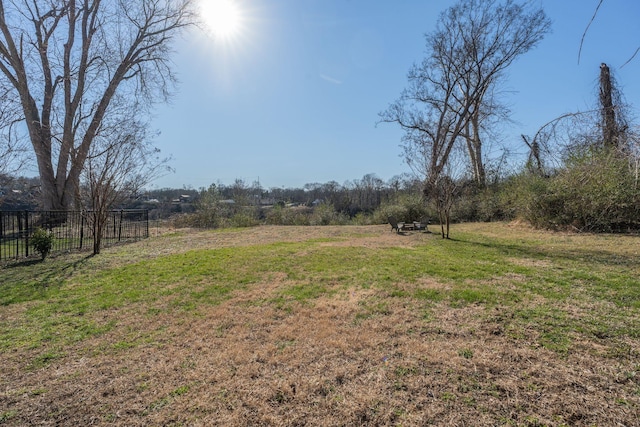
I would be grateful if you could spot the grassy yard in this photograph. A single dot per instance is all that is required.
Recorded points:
(336, 326)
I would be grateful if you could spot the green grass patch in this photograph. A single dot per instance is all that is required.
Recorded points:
(305, 292)
(7, 415)
(532, 276)
(45, 359)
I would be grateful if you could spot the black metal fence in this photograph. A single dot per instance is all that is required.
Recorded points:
(71, 230)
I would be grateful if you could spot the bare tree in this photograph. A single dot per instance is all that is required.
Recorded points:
(366, 192)
(444, 190)
(535, 164)
(614, 113)
(488, 37)
(604, 126)
(561, 138)
(12, 147)
(451, 91)
(553, 138)
(67, 60)
(121, 162)
(609, 125)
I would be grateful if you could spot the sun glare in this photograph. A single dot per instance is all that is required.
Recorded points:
(222, 17)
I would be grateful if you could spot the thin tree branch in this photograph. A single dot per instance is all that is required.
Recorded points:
(587, 29)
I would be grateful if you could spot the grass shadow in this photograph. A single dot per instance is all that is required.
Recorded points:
(570, 269)
(603, 258)
(23, 263)
(26, 280)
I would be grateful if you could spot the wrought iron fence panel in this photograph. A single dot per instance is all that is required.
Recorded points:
(72, 230)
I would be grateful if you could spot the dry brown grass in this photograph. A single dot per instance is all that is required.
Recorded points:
(337, 362)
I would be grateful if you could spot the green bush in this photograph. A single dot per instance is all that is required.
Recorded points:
(244, 218)
(522, 196)
(600, 192)
(405, 208)
(362, 219)
(488, 206)
(322, 214)
(275, 215)
(281, 215)
(596, 191)
(42, 241)
(199, 219)
(213, 213)
(325, 214)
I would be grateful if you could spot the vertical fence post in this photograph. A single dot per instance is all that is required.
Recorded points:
(26, 233)
(81, 227)
(19, 237)
(145, 216)
(120, 225)
(1, 233)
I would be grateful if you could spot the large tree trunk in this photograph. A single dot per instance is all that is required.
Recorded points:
(68, 60)
(610, 134)
(474, 146)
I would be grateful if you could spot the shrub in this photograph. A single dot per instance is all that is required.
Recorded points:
(406, 208)
(325, 214)
(280, 215)
(362, 219)
(275, 215)
(209, 219)
(479, 204)
(531, 198)
(244, 218)
(42, 241)
(600, 192)
(596, 191)
(217, 214)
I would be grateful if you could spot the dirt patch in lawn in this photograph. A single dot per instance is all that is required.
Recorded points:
(352, 357)
(373, 235)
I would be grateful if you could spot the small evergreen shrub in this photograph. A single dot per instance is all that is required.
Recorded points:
(42, 241)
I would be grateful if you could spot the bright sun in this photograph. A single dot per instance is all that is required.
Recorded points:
(222, 17)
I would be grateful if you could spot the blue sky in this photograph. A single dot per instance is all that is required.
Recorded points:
(295, 97)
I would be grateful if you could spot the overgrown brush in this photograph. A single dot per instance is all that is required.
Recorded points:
(282, 215)
(405, 208)
(597, 191)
